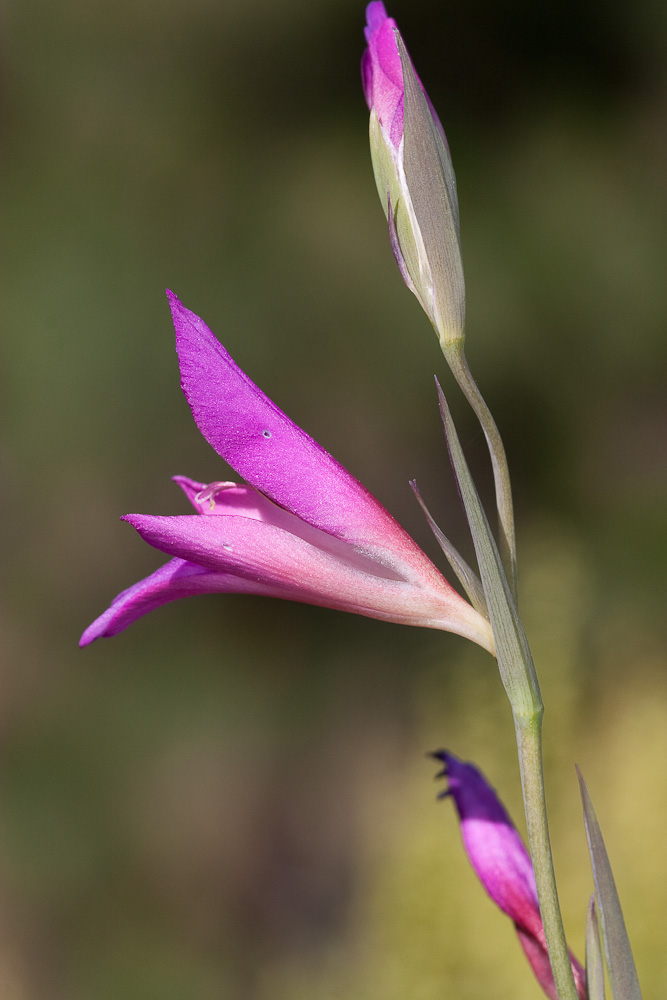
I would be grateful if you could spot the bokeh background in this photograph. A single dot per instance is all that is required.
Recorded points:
(231, 799)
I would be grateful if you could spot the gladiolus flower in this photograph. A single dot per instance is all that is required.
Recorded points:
(301, 528)
(502, 864)
(414, 176)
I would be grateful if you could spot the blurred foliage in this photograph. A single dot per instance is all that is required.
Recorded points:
(231, 799)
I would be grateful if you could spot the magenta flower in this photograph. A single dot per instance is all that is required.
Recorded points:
(302, 528)
(502, 864)
(414, 176)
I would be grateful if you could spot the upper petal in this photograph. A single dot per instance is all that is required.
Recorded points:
(265, 447)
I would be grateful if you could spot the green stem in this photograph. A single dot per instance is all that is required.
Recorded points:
(517, 672)
(529, 745)
(457, 361)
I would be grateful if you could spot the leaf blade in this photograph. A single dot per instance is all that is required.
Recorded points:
(594, 963)
(618, 953)
(464, 573)
(515, 661)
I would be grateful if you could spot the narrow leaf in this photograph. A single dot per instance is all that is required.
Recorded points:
(515, 662)
(464, 573)
(594, 966)
(618, 953)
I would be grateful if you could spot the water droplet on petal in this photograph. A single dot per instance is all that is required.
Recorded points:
(267, 434)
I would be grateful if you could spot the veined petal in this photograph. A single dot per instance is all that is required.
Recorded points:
(175, 579)
(293, 568)
(269, 450)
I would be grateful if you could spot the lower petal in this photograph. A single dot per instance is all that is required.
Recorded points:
(177, 578)
(282, 564)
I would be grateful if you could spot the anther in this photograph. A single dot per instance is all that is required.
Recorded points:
(211, 491)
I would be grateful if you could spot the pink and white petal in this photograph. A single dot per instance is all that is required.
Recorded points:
(177, 578)
(265, 447)
(290, 567)
(245, 501)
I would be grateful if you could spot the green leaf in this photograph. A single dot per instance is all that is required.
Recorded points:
(618, 953)
(515, 661)
(464, 573)
(594, 966)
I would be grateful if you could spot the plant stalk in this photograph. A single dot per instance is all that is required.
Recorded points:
(517, 672)
(455, 355)
(529, 745)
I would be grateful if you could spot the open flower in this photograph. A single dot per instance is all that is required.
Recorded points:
(414, 176)
(302, 528)
(502, 864)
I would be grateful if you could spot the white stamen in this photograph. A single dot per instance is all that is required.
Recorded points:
(211, 491)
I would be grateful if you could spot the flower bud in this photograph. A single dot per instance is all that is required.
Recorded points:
(414, 176)
(502, 864)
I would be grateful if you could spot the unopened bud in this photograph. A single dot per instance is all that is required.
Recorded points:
(414, 176)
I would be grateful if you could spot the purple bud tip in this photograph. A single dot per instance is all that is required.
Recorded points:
(474, 797)
(382, 72)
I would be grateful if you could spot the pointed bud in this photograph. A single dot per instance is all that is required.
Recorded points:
(414, 176)
(502, 864)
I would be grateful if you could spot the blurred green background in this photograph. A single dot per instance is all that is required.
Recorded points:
(231, 798)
